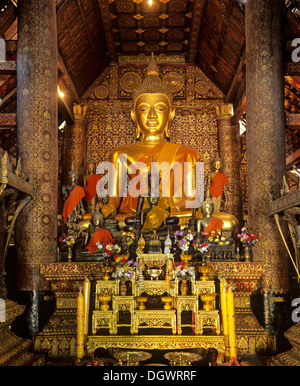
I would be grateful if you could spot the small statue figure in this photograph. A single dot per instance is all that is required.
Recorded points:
(216, 182)
(90, 184)
(154, 243)
(108, 211)
(73, 195)
(97, 234)
(208, 223)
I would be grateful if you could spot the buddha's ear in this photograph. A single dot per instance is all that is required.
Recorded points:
(168, 128)
(137, 128)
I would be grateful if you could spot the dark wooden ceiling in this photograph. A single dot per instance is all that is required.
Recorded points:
(94, 33)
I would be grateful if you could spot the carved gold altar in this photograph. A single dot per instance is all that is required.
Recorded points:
(58, 337)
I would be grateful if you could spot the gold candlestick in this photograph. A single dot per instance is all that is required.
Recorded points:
(231, 324)
(86, 294)
(224, 316)
(80, 325)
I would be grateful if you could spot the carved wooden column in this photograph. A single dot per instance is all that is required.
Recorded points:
(230, 153)
(37, 140)
(265, 136)
(75, 144)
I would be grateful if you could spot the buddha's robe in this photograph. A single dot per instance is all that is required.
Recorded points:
(90, 188)
(72, 201)
(107, 209)
(217, 184)
(215, 224)
(99, 236)
(170, 153)
(157, 215)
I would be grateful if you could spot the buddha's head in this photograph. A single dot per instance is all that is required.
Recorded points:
(208, 207)
(97, 219)
(153, 200)
(91, 167)
(72, 176)
(217, 163)
(152, 111)
(105, 199)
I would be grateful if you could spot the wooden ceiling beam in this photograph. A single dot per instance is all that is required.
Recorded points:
(293, 159)
(195, 29)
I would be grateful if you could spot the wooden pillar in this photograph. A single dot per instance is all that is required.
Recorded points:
(37, 139)
(265, 134)
(75, 145)
(230, 153)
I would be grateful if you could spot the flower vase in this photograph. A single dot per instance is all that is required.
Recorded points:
(247, 253)
(69, 253)
(123, 288)
(184, 287)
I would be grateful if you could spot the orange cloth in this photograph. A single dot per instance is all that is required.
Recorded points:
(216, 188)
(90, 188)
(72, 201)
(100, 236)
(107, 209)
(215, 224)
(170, 153)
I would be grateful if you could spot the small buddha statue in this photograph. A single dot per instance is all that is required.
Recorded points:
(157, 215)
(152, 115)
(208, 223)
(154, 243)
(108, 211)
(96, 234)
(73, 195)
(89, 184)
(215, 188)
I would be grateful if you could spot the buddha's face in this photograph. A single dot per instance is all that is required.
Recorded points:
(97, 220)
(208, 209)
(152, 113)
(153, 200)
(72, 178)
(217, 165)
(90, 168)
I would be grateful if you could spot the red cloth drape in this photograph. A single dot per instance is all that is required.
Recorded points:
(72, 201)
(100, 236)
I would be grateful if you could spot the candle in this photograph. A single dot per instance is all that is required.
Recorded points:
(80, 325)
(231, 324)
(86, 293)
(224, 315)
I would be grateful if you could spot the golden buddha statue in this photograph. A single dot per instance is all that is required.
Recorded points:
(212, 221)
(215, 187)
(97, 234)
(152, 114)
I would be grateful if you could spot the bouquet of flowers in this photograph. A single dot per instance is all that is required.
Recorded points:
(183, 243)
(202, 248)
(182, 272)
(109, 250)
(130, 236)
(125, 270)
(68, 240)
(247, 239)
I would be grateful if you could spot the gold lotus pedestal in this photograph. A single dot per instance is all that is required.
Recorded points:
(141, 300)
(107, 270)
(104, 299)
(186, 259)
(204, 270)
(208, 300)
(168, 302)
